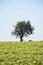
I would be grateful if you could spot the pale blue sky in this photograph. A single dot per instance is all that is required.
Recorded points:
(12, 11)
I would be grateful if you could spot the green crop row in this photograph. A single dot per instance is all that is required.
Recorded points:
(21, 53)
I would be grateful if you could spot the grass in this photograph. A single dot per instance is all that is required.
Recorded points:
(21, 53)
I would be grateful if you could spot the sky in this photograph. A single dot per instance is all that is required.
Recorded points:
(12, 11)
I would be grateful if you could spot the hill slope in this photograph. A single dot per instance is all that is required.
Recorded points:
(21, 53)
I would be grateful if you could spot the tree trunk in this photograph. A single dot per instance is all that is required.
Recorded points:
(21, 39)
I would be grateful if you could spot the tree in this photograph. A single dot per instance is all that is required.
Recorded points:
(22, 29)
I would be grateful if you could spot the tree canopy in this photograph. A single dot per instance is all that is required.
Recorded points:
(22, 29)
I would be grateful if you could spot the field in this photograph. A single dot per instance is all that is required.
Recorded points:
(21, 53)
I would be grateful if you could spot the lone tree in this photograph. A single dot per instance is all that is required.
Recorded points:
(22, 29)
